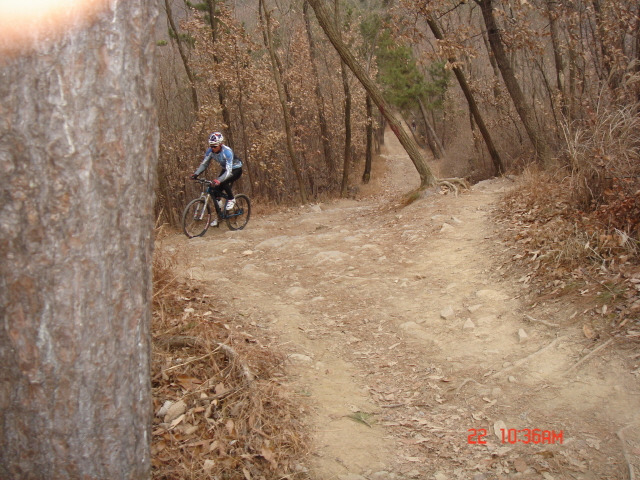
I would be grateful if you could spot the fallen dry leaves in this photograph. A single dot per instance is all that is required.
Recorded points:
(564, 250)
(221, 411)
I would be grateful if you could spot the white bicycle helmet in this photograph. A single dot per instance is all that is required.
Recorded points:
(215, 139)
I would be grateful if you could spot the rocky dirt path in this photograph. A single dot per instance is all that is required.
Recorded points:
(414, 349)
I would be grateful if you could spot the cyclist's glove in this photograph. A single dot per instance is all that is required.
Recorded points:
(216, 182)
(194, 176)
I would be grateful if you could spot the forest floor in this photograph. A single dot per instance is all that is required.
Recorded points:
(414, 346)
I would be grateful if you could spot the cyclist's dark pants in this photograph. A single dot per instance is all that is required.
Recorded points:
(236, 173)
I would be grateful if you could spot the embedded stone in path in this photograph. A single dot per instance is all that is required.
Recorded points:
(447, 313)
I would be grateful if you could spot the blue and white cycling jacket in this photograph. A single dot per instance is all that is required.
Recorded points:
(225, 157)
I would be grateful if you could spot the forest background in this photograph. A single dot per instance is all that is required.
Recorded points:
(486, 87)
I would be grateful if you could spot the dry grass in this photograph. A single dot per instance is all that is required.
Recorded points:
(577, 229)
(566, 250)
(222, 411)
(603, 153)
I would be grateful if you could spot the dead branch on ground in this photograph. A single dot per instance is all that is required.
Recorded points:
(525, 359)
(184, 341)
(590, 354)
(543, 322)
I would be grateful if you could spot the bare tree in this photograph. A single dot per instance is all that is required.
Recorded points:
(473, 106)
(426, 177)
(286, 113)
(347, 113)
(319, 97)
(432, 138)
(183, 55)
(368, 157)
(78, 150)
(552, 12)
(222, 88)
(513, 87)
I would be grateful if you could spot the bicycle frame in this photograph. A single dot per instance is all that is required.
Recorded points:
(200, 210)
(207, 199)
(206, 196)
(223, 214)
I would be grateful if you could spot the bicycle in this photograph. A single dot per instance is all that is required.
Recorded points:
(197, 215)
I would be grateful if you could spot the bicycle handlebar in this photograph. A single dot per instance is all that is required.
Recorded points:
(202, 180)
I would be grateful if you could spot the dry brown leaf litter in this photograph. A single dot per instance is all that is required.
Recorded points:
(221, 411)
(566, 251)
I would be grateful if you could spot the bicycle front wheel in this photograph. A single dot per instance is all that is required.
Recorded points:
(238, 216)
(196, 218)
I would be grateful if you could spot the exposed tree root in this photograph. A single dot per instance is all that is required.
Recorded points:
(589, 355)
(465, 381)
(525, 359)
(453, 184)
(548, 324)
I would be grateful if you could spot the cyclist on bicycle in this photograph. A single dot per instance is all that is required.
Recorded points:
(230, 163)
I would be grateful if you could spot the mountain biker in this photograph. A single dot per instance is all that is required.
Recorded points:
(230, 163)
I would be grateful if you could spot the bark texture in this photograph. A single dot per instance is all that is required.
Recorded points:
(78, 150)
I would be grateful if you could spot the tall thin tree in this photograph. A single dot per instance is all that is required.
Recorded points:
(432, 138)
(183, 55)
(525, 112)
(434, 25)
(346, 164)
(319, 97)
(286, 112)
(426, 176)
(212, 6)
(553, 14)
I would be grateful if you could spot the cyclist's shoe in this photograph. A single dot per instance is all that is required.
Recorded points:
(231, 203)
(221, 203)
(214, 223)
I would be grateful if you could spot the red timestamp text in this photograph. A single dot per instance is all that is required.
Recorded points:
(512, 435)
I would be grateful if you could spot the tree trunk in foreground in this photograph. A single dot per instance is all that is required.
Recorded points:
(78, 151)
(426, 177)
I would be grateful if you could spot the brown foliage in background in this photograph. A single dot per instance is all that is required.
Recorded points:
(242, 69)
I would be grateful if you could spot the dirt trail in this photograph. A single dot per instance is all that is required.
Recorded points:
(404, 335)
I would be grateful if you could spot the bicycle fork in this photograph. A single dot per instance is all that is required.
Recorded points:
(199, 215)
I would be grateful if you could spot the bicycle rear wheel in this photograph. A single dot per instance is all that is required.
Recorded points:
(238, 216)
(196, 218)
